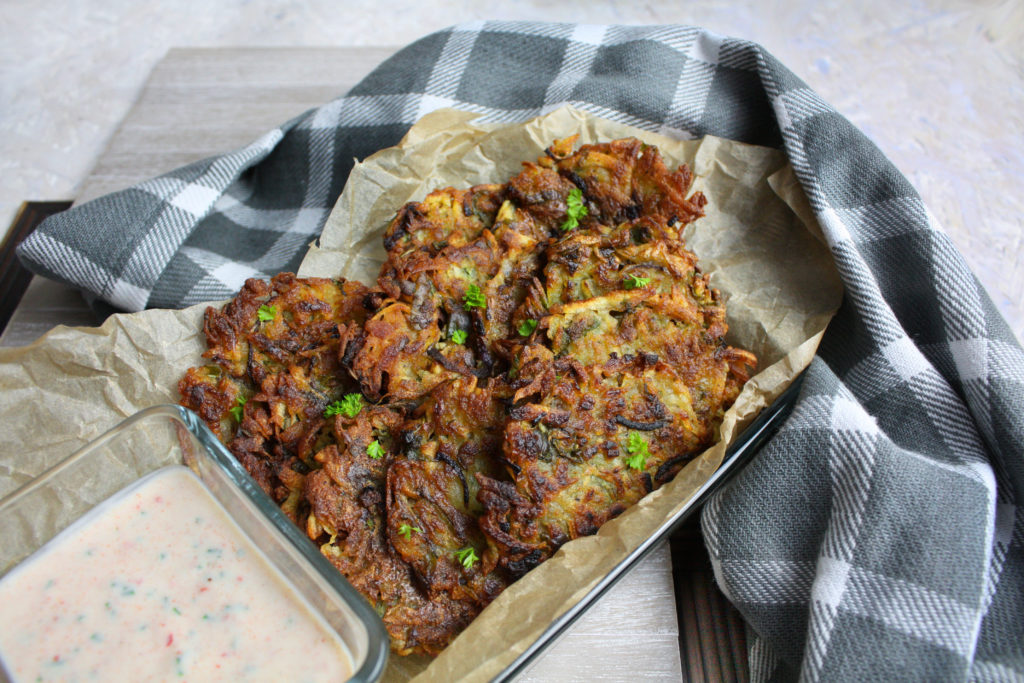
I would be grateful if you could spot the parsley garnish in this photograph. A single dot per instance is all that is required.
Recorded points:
(634, 282)
(406, 530)
(375, 450)
(637, 448)
(460, 336)
(348, 406)
(574, 209)
(467, 556)
(266, 313)
(527, 327)
(474, 298)
(236, 410)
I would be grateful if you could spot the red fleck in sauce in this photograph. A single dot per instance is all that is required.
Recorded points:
(158, 584)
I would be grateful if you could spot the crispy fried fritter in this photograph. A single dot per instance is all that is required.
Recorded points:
(348, 519)
(275, 368)
(569, 447)
(395, 524)
(538, 356)
(625, 179)
(453, 436)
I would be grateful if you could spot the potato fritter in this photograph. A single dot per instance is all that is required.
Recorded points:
(536, 357)
(275, 367)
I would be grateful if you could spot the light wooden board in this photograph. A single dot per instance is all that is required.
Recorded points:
(201, 102)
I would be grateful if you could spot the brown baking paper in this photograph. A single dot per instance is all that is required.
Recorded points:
(758, 241)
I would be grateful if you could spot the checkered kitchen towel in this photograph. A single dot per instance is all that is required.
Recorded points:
(880, 535)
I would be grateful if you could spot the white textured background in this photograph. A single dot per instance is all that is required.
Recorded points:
(938, 85)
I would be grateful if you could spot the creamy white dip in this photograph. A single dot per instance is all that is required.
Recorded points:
(159, 584)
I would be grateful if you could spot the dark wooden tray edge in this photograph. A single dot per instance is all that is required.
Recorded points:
(14, 278)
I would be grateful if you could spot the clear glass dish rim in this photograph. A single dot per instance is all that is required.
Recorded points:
(378, 642)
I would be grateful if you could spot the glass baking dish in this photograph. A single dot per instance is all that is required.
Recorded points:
(168, 435)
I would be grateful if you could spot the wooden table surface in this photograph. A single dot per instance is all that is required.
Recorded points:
(201, 102)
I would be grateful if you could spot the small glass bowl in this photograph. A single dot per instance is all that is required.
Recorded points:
(172, 435)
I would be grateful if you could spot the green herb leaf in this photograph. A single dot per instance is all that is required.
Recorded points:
(637, 448)
(637, 462)
(474, 298)
(236, 410)
(467, 556)
(375, 450)
(266, 313)
(348, 406)
(635, 282)
(460, 336)
(527, 327)
(574, 209)
(406, 530)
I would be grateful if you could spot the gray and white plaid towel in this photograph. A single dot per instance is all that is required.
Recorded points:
(880, 534)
